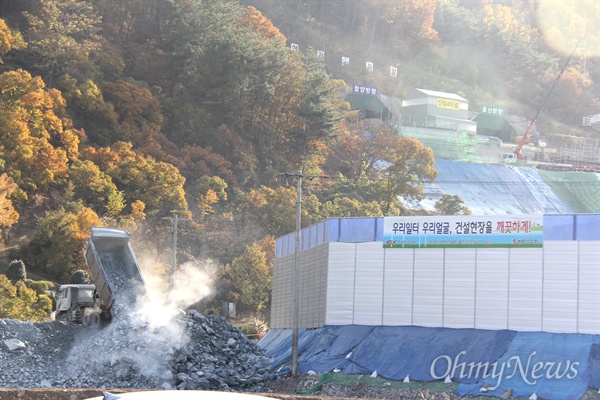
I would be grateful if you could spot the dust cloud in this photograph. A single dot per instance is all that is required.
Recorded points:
(192, 283)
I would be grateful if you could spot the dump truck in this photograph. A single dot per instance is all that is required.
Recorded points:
(115, 279)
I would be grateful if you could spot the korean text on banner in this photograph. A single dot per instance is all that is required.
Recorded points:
(463, 231)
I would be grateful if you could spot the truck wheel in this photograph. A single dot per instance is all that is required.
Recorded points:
(95, 320)
(62, 317)
(85, 320)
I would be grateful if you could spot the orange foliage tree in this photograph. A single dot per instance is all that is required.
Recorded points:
(37, 141)
(158, 185)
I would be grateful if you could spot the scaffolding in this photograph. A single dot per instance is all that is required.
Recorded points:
(578, 150)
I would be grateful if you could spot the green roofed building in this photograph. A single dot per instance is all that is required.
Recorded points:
(505, 127)
(369, 106)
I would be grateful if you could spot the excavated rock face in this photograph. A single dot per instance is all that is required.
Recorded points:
(194, 351)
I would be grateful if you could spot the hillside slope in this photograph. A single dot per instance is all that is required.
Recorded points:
(495, 189)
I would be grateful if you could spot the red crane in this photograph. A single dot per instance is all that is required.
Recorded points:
(517, 149)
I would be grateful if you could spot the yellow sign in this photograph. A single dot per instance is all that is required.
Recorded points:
(447, 103)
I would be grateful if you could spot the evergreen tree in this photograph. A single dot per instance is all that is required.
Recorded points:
(79, 277)
(16, 271)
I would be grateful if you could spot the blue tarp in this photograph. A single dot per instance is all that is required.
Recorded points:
(594, 361)
(495, 189)
(554, 366)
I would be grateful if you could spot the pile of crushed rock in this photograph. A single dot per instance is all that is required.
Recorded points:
(193, 351)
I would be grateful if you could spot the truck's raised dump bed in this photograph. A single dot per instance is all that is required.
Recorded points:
(113, 266)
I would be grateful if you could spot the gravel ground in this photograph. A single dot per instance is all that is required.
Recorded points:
(378, 388)
(194, 351)
(197, 352)
(414, 390)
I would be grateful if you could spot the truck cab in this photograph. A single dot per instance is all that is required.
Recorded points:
(72, 300)
(509, 158)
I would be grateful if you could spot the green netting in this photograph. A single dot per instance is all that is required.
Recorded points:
(368, 381)
(580, 190)
(450, 145)
(323, 379)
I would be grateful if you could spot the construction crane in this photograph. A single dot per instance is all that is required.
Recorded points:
(525, 137)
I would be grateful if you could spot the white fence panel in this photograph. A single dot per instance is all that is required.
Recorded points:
(428, 296)
(398, 287)
(525, 289)
(459, 288)
(560, 286)
(340, 284)
(368, 289)
(491, 299)
(589, 288)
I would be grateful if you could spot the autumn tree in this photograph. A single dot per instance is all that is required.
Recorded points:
(95, 188)
(274, 209)
(158, 185)
(196, 162)
(236, 68)
(91, 112)
(373, 164)
(404, 24)
(250, 275)
(38, 139)
(571, 93)
(263, 26)
(344, 207)
(406, 165)
(139, 114)
(20, 302)
(451, 204)
(61, 35)
(138, 32)
(6, 39)
(8, 214)
(57, 243)
(210, 190)
(353, 153)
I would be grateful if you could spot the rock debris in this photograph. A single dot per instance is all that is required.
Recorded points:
(194, 351)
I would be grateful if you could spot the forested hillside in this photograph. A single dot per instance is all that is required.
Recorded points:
(505, 53)
(127, 113)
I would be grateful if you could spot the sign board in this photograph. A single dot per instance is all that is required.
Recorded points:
(447, 103)
(460, 231)
(361, 89)
(492, 110)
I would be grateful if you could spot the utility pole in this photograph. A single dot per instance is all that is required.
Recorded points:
(296, 275)
(174, 258)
